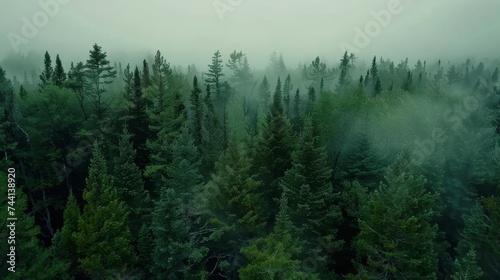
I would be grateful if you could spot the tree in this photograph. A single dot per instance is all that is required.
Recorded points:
(32, 259)
(307, 184)
(275, 256)
(128, 79)
(214, 77)
(103, 239)
(397, 237)
(59, 76)
(64, 240)
(345, 65)
(236, 208)
(318, 72)
(46, 76)
(78, 83)
(197, 113)
(467, 268)
(146, 78)
(374, 70)
(128, 181)
(287, 89)
(138, 122)
(99, 73)
(273, 155)
(378, 87)
(264, 94)
(176, 219)
(174, 254)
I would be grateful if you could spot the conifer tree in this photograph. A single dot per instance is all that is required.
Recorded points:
(264, 94)
(103, 239)
(64, 241)
(138, 122)
(397, 236)
(276, 256)
(46, 76)
(236, 207)
(378, 87)
(308, 186)
(287, 89)
(374, 70)
(345, 65)
(129, 184)
(77, 83)
(197, 113)
(99, 74)
(146, 77)
(273, 156)
(59, 76)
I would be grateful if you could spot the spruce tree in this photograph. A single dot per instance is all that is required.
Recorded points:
(276, 256)
(197, 113)
(236, 207)
(59, 76)
(103, 239)
(99, 74)
(46, 76)
(146, 77)
(129, 184)
(273, 156)
(308, 186)
(397, 236)
(138, 122)
(264, 94)
(287, 89)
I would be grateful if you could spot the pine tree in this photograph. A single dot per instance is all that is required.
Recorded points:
(378, 87)
(467, 268)
(59, 76)
(374, 70)
(78, 83)
(46, 76)
(64, 241)
(287, 89)
(397, 237)
(297, 115)
(128, 79)
(308, 185)
(174, 254)
(99, 74)
(176, 217)
(264, 94)
(236, 207)
(344, 70)
(197, 112)
(32, 259)
(273, 156)
(214, 78)
(138, 122)
(103, 238)
(276, 256)
(129, 184)
(146, 78)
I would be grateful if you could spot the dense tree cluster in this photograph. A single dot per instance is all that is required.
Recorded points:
(152, 172)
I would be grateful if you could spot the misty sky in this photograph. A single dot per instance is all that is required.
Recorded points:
(190, 31)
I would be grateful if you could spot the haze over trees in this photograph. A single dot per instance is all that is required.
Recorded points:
(341, 171)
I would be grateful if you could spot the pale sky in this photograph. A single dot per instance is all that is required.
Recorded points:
(190, 31)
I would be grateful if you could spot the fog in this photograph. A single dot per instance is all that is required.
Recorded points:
(190, 31)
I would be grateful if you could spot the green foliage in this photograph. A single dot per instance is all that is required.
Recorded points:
(129, 184)
(236, 207)
(275, 256)
(59, 76)
(397, 238)
(467, 268)
(273, 156)
(103, 239)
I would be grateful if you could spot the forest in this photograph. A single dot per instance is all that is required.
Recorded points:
(346, 170)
